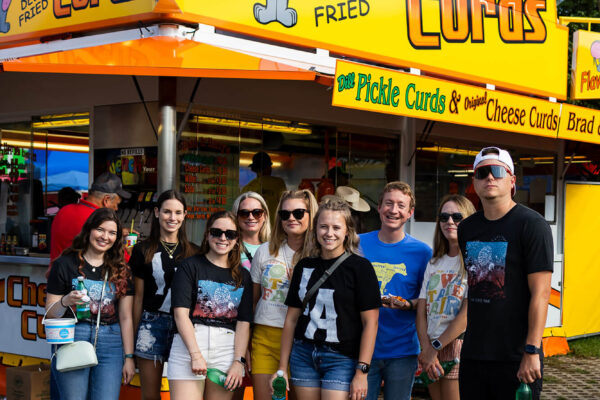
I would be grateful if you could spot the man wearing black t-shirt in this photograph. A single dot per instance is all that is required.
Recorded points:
(507, 251)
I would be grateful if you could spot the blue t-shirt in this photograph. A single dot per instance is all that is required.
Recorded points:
(400, 268)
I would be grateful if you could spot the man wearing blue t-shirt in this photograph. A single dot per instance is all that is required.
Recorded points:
(399, 261)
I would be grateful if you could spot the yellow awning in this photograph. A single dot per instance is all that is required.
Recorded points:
(160, 56)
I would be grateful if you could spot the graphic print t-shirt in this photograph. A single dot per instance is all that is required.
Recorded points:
(157, 276)
(251, 248)
(273, 274)
(63, 279)
(498, 256)
(399, 267)
(332, 316)
(444, 288)
(209, 292)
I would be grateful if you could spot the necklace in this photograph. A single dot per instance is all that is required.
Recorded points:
(169, 250)
(93, 266)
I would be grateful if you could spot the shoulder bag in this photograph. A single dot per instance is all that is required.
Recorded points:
(313, 290)
(80, 354)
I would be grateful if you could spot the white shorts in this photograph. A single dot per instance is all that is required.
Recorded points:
(216, 345)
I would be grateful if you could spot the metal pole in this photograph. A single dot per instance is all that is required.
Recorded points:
(167, 133)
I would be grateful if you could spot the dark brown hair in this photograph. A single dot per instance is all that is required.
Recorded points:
(151, 244)
(119, 273)
(233, 258)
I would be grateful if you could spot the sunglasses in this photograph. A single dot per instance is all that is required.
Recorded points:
(230, 234)
(256, 213)
(456, 217)
(298, 213)
(497, 171)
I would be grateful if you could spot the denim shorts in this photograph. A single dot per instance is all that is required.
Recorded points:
(154, 336)
(314, 365)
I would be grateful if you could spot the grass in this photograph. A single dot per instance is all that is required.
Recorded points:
(586, 347)
(551, 379)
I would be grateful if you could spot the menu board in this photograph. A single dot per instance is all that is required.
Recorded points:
(208, 178)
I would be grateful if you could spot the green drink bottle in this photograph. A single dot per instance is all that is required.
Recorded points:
(83, 309)
(217, 376)
(523, 392)
(279, 387)
(423, 378)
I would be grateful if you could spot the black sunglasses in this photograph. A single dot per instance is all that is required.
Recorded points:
(298, 213)
(497, 171)
(456, 217)
(230, 234)
(256, 213)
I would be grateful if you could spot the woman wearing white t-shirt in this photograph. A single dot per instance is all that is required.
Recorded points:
(271, 273)
(441, 311)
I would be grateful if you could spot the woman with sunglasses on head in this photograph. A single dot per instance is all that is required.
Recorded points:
(153, 263)
(332, 314)
(212, 305)
(441, 311)
(271, 272)
(96, 254)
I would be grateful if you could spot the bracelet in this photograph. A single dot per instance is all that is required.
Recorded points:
(61, 303)
(128, 355)
(195, 352)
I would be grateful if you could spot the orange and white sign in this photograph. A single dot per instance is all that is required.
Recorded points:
(585, 65)
(515, 45)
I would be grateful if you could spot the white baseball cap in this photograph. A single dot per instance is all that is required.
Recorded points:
(495, 153)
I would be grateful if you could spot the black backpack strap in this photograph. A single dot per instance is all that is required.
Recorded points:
(313, 290)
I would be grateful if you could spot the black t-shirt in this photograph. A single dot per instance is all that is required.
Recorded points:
(209, 292)
(157, 276)
(63, 279)
(332, 316)
(498, 256)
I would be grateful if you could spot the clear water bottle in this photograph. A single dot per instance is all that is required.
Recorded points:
(83, 309)
(523, 392)
(279, 387)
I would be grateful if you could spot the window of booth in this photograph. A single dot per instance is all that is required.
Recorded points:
(442, 168)
(216, 153)
(38, 158)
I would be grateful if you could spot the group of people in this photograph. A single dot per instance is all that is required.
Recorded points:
(335, 313)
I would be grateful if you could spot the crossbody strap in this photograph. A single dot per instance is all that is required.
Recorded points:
(309, 295)
(247, 253)
(100, 309)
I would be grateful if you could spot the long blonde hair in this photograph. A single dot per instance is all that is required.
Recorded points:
(265, 231)
(338, 205)
(441, 246)
(279, 234)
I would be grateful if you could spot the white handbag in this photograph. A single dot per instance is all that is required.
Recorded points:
(81, 354)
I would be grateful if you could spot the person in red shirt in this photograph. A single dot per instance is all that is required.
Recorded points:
(106, 191)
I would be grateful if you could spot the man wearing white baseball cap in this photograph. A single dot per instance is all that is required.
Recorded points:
(508, 253)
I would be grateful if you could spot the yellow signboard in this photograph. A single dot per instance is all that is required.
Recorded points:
(382, 90)
(580, 124)
(23, 19)
(585, 65)
(515, 45)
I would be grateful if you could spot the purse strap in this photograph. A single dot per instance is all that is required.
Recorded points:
(100, 309)
(309, 295)
(247, 253)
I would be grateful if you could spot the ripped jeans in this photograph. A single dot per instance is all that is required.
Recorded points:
(314, 365)
(154, 336)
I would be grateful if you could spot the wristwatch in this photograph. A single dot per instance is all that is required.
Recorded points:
(241, 360)
(531, 349)
(363, 367)
(436, 344)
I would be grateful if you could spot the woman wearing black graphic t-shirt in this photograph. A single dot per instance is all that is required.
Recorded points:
(212, 305)
(334, 337)
(153, 263)
(96, 251)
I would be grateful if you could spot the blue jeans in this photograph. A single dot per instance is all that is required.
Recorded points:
(154, 336)
(313, 365)
(102, 382)
(398, 375)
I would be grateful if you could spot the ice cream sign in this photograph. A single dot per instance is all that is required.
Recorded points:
(585, 65)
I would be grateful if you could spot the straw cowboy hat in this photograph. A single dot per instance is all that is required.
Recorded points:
(352, 197)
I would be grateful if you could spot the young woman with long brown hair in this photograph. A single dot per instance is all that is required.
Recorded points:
(212, 305)
(96, 251)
